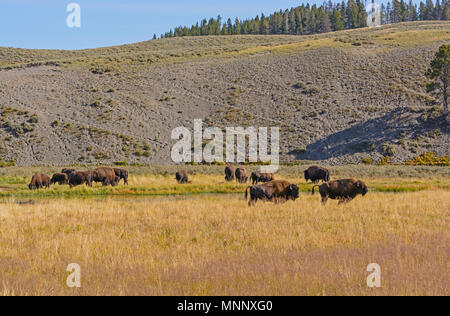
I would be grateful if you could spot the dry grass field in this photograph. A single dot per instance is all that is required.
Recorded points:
(214, 244)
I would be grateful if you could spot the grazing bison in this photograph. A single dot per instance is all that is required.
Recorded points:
(229, 173)
(39, 181)
(342, 190)
(78, 178)
(105, 175)
(60, 178)
(122, 174)
(258, 177)
(67, 171)
(276, 191)
(241, 175)
(315, 174)
(182, 177)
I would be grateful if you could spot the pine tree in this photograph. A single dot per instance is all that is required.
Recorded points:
(437, 13)
(388, 13)
(422, 11)
(445, 11)
(337, 23)
(412, 13)
(439, 73)
(429, 10)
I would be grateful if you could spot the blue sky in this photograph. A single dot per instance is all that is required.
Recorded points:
(42, 23)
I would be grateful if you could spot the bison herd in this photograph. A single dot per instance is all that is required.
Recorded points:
(105, 175)
(270, 190)
(278, 191)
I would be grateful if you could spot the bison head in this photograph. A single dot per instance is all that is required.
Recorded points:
(362, 188)
(293, 192)
(306, 175)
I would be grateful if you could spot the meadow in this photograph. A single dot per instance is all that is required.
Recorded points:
(155, 237)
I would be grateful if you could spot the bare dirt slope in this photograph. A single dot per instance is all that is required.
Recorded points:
(337, 97)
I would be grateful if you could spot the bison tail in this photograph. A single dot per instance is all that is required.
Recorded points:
(246, 193)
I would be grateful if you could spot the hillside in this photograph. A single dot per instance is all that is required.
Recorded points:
(338, 97)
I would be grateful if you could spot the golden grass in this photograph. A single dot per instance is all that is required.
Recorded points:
(216, 245)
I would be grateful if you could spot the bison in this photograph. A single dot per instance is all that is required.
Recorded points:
(343, 190)
(67, 171)
(60, 178)
(258, 177)
(78, 178)
(229, 173)
(276, 191)
(315, 174)
(39, 181)
(105, 175)
(182, 177)
(241, 175)
(122, 174)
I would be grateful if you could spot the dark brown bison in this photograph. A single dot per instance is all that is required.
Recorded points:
(343, 190)
(275, 191)
(39, 181)
(241, 175)
(316, 174)
(258, 177)
(122, 174)
(67, 171)
(77, 178)
(60, 178)
(182, 177)
(105, 175)
(229, 173)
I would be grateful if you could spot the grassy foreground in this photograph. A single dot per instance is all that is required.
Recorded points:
(155, 237)
(216, 245)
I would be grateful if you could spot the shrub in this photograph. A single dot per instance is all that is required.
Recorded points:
(388, 150)
(10, 163)
(121, 163)
(367, 161)
(385, 161)
(429, 159)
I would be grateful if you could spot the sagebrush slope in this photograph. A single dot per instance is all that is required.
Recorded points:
(339, 97)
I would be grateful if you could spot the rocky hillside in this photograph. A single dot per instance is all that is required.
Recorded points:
(337, 97)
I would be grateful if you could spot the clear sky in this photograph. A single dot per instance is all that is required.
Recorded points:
(42, 23)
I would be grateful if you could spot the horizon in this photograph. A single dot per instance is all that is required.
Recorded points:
(42, 25)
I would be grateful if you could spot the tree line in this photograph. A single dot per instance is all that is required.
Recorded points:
(312, 19)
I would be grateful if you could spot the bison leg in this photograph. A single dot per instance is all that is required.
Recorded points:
(345, 200)
(324, 199)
